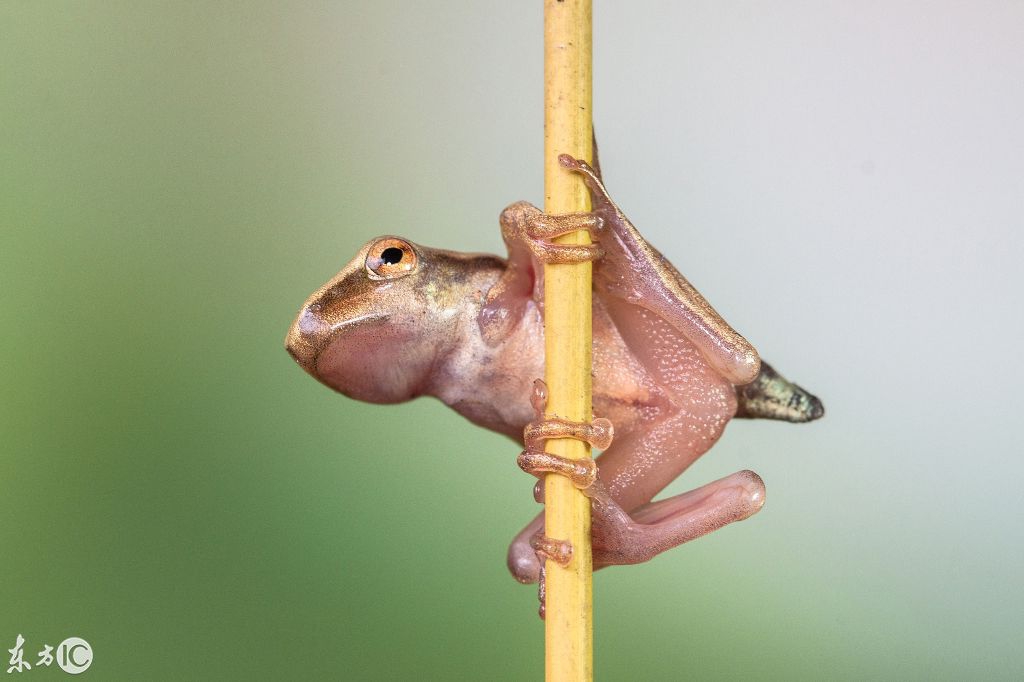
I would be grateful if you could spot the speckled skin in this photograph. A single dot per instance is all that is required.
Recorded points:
(403, 320)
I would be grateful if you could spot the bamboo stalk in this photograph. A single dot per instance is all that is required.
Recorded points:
(567, 322)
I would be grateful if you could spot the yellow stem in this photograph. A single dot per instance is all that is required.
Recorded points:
(567, 322)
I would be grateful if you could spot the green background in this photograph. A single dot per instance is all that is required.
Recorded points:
(843, 181)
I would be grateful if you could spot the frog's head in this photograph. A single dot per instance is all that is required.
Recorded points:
(379, 330)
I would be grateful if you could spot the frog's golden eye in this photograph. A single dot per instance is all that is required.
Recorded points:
(389, 258)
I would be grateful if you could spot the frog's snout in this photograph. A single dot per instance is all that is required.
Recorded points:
(306, 338)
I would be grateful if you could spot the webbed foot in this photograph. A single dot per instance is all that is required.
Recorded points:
(533, 460)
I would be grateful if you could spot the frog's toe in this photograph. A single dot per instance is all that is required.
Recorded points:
(548, 252)
(582, 472)
(592, 178)
(549, 226)
(541, 228)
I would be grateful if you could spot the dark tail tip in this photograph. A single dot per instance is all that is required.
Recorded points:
(817, 410)
(772, 396)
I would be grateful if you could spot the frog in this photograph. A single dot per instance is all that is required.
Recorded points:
(401, 321)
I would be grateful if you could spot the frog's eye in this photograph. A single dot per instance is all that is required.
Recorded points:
(389, 258)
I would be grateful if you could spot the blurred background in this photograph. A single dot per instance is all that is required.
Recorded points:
(844, 181)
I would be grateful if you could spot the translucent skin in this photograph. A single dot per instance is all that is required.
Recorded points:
(468, 329)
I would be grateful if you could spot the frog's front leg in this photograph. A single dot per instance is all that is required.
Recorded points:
(528, 235)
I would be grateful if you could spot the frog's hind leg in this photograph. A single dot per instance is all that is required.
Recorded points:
(634, 271)
(531, 545)
(620, 538)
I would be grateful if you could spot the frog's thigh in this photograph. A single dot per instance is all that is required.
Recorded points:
(641, 462)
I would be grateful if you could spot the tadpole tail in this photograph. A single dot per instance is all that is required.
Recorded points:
(771, 396)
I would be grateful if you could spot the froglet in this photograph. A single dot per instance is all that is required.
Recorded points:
(403, 320)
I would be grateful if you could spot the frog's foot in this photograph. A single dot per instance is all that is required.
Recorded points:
(582, 472)
(533, 460)
(620, 538)
(541, 228)
(527, 561)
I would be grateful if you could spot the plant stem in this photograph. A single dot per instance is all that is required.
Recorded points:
(567, 320)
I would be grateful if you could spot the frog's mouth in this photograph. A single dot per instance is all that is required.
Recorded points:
(373, 362)
(310, 335)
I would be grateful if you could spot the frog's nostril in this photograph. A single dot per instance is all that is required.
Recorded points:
(305, 337)
(310, 323)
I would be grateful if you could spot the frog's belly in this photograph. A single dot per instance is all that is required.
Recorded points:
(623, 390)
(497, 396)
(672, 412)
(491, 385)
(648, 366)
